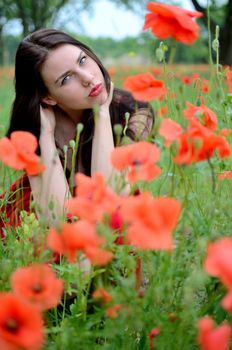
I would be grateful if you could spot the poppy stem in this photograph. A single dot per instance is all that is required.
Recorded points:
(172, 53)
(212, 175)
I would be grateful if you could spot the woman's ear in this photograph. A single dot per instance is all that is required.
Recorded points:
(49, 101)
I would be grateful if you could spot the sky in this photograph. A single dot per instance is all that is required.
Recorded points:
(114, 21)
(106, 20)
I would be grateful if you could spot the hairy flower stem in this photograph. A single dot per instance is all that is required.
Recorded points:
(212, 176)
(209, 34)
(75, 146)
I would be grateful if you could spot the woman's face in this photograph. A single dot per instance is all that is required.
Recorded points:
(73, 79)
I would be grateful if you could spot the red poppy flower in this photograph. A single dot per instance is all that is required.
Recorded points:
(170, 130)
(80, 236)
(92, 198)
(152, 334)
(102, 294)
(21, 324)
(112, 311)
(225, 175)
(199, 143)
(186, 80)
(213, 338)
(18, 152)
(38, 284)
(229, 80)
(171, 21)
(151, 221)
(139, 158)
(218, 264)
(145, 87)
(206, 115)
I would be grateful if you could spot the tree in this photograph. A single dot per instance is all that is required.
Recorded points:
(219, 15)
(41, 13)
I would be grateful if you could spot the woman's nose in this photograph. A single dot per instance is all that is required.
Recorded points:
(86, 79)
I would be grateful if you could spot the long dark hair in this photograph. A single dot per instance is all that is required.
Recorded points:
(32, 52)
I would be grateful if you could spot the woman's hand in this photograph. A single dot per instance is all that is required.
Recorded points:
(107, 102)
(48, 120)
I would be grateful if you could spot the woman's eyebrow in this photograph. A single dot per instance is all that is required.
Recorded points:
(65, 73)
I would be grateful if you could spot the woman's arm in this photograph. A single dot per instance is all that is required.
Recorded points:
(50, 189)
(103, 142)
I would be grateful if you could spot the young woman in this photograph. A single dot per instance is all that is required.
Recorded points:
(60, 82)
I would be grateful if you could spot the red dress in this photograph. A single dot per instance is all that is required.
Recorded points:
(17, 198)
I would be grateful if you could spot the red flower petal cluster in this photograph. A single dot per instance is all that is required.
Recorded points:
(197, 143)
(229, 80)
(92, 198)
(139, 158)
(218, 264)
(145, 87)
(168, 21)
(21, 324)
(211, 338)
(208, 117)
(18, 152)
(80, 236)
(102, 294)
(151, 221)
(37, 284)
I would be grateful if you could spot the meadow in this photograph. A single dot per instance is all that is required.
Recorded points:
(163, 296)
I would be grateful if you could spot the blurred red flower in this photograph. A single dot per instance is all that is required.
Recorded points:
(92, 198)
(199, 143)
(218, 264)
(213, 338)
(170, 130)
(37, 284)
(112, 311)
(229, 80)
(18, 152)
(150, 220)
(207, 117)
(21, 324)
(80, 236)
(102, 294)
(225, 175)
(139, 158)
(171, 21)
(145, 87)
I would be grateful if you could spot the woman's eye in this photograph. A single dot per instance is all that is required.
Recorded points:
(82, 60)
(66, 78)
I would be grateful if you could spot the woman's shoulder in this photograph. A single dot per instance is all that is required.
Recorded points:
(124, 97)
(141, 114)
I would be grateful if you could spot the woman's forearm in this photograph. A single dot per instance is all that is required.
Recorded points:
(103, 144)
(50, 189)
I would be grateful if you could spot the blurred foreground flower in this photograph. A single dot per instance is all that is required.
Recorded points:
(151, 221)
(37, 284)
(218, 264)
(21, 324)
(213, 338)
(18, 152)
(139, 158)
(79, 237)
(92, 198)
(145, 87)
(168, 21)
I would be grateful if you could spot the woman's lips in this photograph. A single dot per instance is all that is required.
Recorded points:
(96, 90)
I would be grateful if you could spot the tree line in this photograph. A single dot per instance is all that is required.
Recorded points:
(43, 13)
